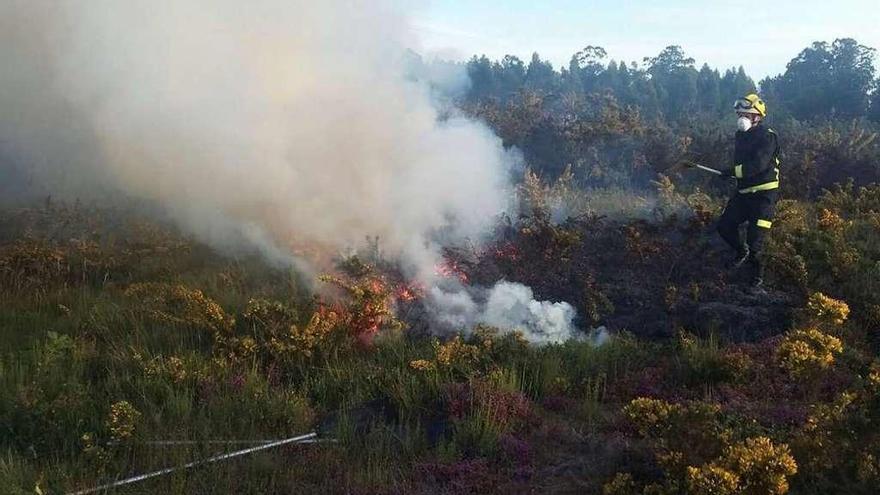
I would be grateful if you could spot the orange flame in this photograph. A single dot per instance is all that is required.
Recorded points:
(451, 269)
(508, 251)
(408, 292)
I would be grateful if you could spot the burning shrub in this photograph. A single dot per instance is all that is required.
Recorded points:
(452, 268)
(409, 292)
(177, 304)
(368, 309)
(507, 252)
(806, 352)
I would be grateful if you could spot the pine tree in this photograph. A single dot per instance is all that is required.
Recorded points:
(540, 76)
(709, 90)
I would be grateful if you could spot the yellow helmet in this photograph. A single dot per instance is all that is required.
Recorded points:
(751, 103)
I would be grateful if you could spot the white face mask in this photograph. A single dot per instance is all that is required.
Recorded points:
(744, 123)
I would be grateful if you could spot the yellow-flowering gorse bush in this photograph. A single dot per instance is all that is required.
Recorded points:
(762, 467)
(122, 420)
(276, 335)
(696, 451)
(456, 353)
(172, 368)
(177, 304)
(422, 365)
(806, 352)
(711, 480)
(823, 309)
(681, 434)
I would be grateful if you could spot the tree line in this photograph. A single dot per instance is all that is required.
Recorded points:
(834, 80)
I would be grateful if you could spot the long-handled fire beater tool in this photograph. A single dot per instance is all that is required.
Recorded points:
(704, 168)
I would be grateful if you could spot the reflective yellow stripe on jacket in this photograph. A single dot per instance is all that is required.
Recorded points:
(767, 186)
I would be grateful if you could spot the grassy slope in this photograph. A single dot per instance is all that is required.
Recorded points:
(483, 414)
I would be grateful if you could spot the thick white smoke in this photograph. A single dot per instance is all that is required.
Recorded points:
(507, 306)
(291, 116)
(273, 123)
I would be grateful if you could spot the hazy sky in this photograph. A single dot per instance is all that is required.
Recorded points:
(761, 36)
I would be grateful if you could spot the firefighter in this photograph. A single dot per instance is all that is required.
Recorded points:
(756, 170)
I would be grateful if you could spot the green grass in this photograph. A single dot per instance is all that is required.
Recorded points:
(69, 366)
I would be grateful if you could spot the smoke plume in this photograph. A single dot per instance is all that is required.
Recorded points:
(275, 124)
(507, 306)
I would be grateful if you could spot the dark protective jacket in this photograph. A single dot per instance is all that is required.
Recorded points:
(756, 160)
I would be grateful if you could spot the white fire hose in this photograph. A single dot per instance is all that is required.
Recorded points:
(308, 438)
